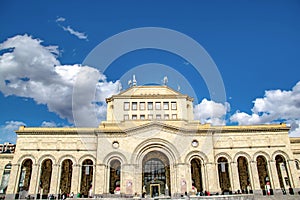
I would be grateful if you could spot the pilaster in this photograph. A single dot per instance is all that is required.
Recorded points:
(254, 176)
(54, 179)
(127, 178)
(75, 179)
(99, 179)
(235, 181)
(212, 177)
(274, 177)
(34, 180)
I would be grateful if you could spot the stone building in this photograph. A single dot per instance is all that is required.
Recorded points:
(150, 144)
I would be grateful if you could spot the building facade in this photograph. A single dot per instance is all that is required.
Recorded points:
(151, 145)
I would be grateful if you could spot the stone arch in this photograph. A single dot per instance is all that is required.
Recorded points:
(261, 153)
(26, 156)
(68, 156)
(47, 156)
(244, 154)
(196, 154)
(223, 154)
(114, 155)
(85, 157)
(155, 144)
(281, 153)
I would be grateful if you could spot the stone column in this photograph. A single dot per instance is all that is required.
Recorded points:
(54, 179)
(274, 177)
(235, 180)
(75, 179)
(34, 180)
(255, 184)
(14, 177)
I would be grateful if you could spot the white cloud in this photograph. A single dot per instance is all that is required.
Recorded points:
(275, 106)
(48, 124)
(7, 131)
(78, 34)
(32, 70)
(60, 19)
(211, 112)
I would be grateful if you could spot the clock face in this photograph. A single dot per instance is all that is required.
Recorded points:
(115, 144)
(195, 143)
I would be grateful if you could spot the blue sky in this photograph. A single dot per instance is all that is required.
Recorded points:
(254, 44)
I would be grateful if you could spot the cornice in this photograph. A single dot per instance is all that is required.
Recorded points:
(183, 129)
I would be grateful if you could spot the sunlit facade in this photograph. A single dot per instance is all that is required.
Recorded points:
(150, 145)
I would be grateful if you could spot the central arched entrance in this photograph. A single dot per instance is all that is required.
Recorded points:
(156, 174)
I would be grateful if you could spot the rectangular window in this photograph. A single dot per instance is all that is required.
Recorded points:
(150, 105)
(126, 117)
(142, 106)
(166, 105)
(142, 117)
(166, 116)
(134, 117)
(134, 105)
(174, 116)
(157, 105)
(173, 106)
(150, 116)
(158, 116)
(126, 105)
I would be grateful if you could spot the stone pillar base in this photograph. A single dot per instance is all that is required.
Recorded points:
(277, 192)
(297, 191)
(257, 192)
(10, 196)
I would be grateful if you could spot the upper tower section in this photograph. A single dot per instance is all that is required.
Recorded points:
(149, 103)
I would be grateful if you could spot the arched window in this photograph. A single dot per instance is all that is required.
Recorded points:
(243, 174)
(66, 176)
(196, 173)
(263, 173)
(25, 175)
(45, 178)
(115, 176)
(223, 170)
(5, 178)
(87, 171)
(282, 172)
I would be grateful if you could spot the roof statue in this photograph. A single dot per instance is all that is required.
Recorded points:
(165, 80)
(134, 82)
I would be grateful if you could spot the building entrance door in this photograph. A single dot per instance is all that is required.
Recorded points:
(154, 190)
(156, 174)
